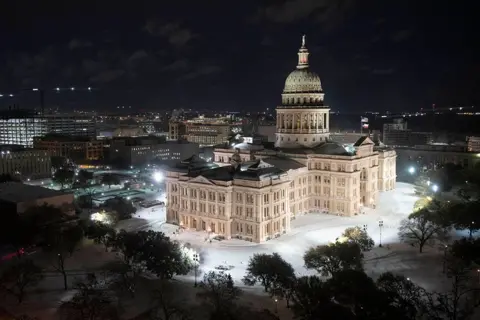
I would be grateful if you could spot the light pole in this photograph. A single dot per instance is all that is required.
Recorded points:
(196, 261)
(445, 258)
(276, 305)
(380, 225)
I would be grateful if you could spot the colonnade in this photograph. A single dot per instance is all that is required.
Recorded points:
(303, 120)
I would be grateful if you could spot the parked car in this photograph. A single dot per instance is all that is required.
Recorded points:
(10, 252)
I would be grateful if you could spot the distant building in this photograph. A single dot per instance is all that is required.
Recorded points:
(397, 134)
(176, 130)
(16, 197)
(144, 150)
(269, 132)
(433, 155)
(71, 147)
(21, 126)
(71, 124)
(26, 163)
(473, 144)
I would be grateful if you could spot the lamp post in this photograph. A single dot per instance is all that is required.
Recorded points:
(471, 229)
(445, 258)
(380, 225)
(196, 261)
(276, 305)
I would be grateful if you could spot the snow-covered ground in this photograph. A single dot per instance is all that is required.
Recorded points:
(307, 231)
(313, 229)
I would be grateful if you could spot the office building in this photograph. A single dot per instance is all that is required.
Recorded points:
(72, 147)
(19, 127)
(398, 134)
(473, 144)
(149, 150)
(24, 163)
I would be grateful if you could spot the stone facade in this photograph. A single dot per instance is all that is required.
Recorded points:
(253, 193)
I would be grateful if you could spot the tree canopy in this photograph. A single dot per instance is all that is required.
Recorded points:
(334, 257)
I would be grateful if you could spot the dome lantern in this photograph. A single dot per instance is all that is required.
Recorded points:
(303, 55)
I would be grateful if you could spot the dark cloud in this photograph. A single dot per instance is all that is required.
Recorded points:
(383, 72)
(201, 71)
(176, 34)
(177, 65)
(327, 12)
(138, 55)
(107, 76)
(76, 44)
(402, 35)
(267, 41)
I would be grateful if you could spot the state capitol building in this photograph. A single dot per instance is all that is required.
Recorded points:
(253, 193)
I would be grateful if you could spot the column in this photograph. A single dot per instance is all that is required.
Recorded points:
(327, 123)
(302, 115)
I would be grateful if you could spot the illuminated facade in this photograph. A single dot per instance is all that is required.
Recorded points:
(25, 163)
(75, 148)
(255, 192)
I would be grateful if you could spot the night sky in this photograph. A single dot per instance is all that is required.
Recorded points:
(235, 55)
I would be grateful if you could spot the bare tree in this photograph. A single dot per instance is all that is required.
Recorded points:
(422, 228)
(461, 301)
(165, 307)
(91, 302)
(16, 279)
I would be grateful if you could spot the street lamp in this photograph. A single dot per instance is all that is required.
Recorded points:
(380, 225)
(445, 258)
(276, 305)
(411, 170)
(435, 188)
(196, 262)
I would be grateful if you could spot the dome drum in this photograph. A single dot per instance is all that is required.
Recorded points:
(309, 99)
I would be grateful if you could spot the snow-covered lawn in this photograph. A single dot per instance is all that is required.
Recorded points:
(307, 231)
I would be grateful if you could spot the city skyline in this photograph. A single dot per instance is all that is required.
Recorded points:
(217, 57)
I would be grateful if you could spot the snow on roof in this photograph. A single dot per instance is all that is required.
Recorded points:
(18, 192)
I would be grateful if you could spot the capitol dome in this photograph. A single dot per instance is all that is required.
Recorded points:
(302, 80)
(303, 86)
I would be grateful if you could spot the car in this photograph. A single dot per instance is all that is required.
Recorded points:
(221, 268)
(10, 252)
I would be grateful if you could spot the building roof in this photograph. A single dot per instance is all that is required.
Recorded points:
(331, 148)
(192, 164)
(64, 138)
(248, 146)
(18, 192)
(225, 173)
(283, 163)
(362, 140)
(260, 169)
